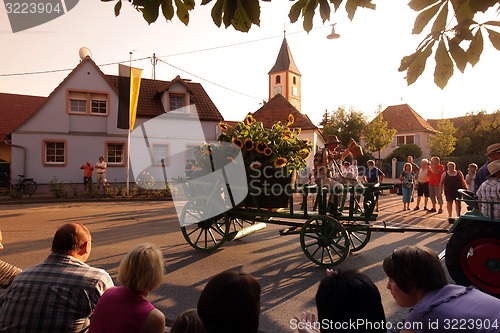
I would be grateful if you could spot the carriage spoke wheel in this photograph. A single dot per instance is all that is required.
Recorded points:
(236, 224)
(359, 236)
(324, 241)
(473, 256)
(201, 229)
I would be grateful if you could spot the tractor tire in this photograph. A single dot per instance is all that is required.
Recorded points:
(473, 256)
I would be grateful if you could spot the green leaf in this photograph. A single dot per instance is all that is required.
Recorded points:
(405, 63)
(417, 64)
(167, 9)
(217, 12)
(252, 8)
(495, 23)
(351, 6)
(494, 38)
(150, 12)
(324, 10)
(241, 21)
(296, 9)
(423, 19)
(444, 66)
(475, 48)
(481, 5)
(418, 5)
(189, 4)
(229, 8)
(458, 54)
(462, 10)
(336, 4)
(182, 12)
(309, 15)
(440, 22)
(118, 7)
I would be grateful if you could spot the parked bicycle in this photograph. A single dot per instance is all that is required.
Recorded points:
(23, 185)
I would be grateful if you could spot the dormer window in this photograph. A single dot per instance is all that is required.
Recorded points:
(87, 103)
(176, 101)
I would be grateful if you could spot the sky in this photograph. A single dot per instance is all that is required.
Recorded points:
(358, 70)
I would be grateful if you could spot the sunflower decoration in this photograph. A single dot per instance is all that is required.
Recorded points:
(280, 162)
(237, 142)
(260, 148)
(249, 120)
(223, 126)
(248, 144)
(276, 147)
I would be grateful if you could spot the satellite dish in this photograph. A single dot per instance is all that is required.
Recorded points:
(84, 53)
(333, 35)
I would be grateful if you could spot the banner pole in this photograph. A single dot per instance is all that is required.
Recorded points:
(128, 138)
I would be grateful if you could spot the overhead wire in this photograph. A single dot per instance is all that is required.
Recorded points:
(167, 56)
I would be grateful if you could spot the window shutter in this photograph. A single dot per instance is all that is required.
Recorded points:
(417, 139)
(393, 142)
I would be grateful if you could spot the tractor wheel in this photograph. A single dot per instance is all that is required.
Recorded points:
(473, 256)
(324, 241)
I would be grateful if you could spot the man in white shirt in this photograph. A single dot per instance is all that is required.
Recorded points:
(100, 168)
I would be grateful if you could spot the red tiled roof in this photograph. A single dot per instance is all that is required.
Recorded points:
(15, 110)
(149, 104)
(404, 119)
(278, 109)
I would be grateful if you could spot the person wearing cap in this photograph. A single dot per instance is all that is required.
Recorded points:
(324, 173)
(488, 193)
(493, 154)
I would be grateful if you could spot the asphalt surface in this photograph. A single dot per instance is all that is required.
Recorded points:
(288, 279)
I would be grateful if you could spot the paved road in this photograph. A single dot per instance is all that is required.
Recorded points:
(288, 279)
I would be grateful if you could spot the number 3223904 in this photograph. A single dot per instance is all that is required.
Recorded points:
(32, 8)
(470, 324)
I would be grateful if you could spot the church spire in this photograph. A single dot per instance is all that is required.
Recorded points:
(284, 62)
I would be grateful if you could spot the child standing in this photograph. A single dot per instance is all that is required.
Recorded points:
(406, 179)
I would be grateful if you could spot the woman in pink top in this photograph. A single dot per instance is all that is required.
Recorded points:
(125, 309)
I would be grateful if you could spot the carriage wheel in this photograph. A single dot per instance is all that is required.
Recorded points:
(359, 236)
(473, 254)
(204, 233)
(324, 241)
(237, 224)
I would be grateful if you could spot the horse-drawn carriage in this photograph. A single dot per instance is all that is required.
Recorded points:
(331, 225)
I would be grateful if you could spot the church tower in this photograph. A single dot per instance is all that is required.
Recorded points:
(284, 77)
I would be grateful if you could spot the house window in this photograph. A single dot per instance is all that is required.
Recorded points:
(99, 107)
(78, 106)
(82, 102)
(278, 79)
(55, 152)
(294, 80)
(176, 101)
(115, 153)
(404, 139)
(160, 152)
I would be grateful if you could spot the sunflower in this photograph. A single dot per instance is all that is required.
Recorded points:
(223, 126)
(304, 153)
(249, 120)
(280, 162)
(237, 142)
(291, 119)
(261, 147)
(268, 151)
(248, 144)
(287, 135)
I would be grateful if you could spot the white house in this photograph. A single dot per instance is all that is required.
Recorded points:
(78, 122)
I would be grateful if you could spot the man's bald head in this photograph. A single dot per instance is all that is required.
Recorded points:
(70, 238)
